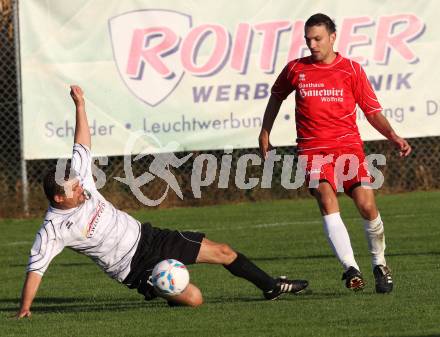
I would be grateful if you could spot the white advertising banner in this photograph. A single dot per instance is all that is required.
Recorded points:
(198, 73)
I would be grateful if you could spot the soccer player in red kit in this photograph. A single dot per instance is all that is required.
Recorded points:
(328, 88)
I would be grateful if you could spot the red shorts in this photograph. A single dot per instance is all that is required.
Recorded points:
(343, 168)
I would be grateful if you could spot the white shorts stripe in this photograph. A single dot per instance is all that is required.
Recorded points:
(183, 236)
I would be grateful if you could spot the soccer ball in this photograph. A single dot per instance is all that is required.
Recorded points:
(170, 277)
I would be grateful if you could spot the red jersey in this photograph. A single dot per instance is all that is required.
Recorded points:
(326, 97)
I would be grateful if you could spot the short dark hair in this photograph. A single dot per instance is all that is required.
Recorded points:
(320, 19)
(51, 186)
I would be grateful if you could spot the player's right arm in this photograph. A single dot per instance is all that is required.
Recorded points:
(272, 109)
(30, 288)
(281, 89)
(47, 245)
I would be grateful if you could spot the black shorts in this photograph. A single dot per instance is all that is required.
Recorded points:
(155, 245)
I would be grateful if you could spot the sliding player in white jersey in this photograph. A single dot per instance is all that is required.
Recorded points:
(80, 218)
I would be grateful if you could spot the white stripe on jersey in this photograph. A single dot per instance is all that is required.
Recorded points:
(346, 135)
(324, 147)
(95, 228)
(351, 113)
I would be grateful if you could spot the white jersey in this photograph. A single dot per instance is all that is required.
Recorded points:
(95, 228)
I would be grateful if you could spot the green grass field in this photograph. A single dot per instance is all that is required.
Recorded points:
(283, 237)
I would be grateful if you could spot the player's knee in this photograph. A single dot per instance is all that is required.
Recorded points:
(196, 302)
(191, 297)
(368, 210)
(196, 299)
(327, 203)
(226, 253)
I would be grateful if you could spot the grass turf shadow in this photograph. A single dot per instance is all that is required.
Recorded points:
(80, 304)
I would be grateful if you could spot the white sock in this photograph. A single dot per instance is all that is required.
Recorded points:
(376, 240)
(339, 240)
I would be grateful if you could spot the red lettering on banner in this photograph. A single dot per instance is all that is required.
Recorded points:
(152, 45)
(141, 50)
(271, 33)
(193, 43)
(241, 48)
(348, 38)
(297, 41)
(387, 39)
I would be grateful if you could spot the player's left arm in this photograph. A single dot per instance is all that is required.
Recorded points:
(381, 124)
(82, 158)
(368, 102)
(82, 131)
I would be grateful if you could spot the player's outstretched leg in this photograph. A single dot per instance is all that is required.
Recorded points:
(374, 231)
(240, 266)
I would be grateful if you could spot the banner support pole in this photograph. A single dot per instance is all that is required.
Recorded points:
(24, 177)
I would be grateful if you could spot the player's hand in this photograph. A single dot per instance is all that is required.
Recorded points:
(23, 314)
(264, 143)
(403, 145)
(77, 95)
